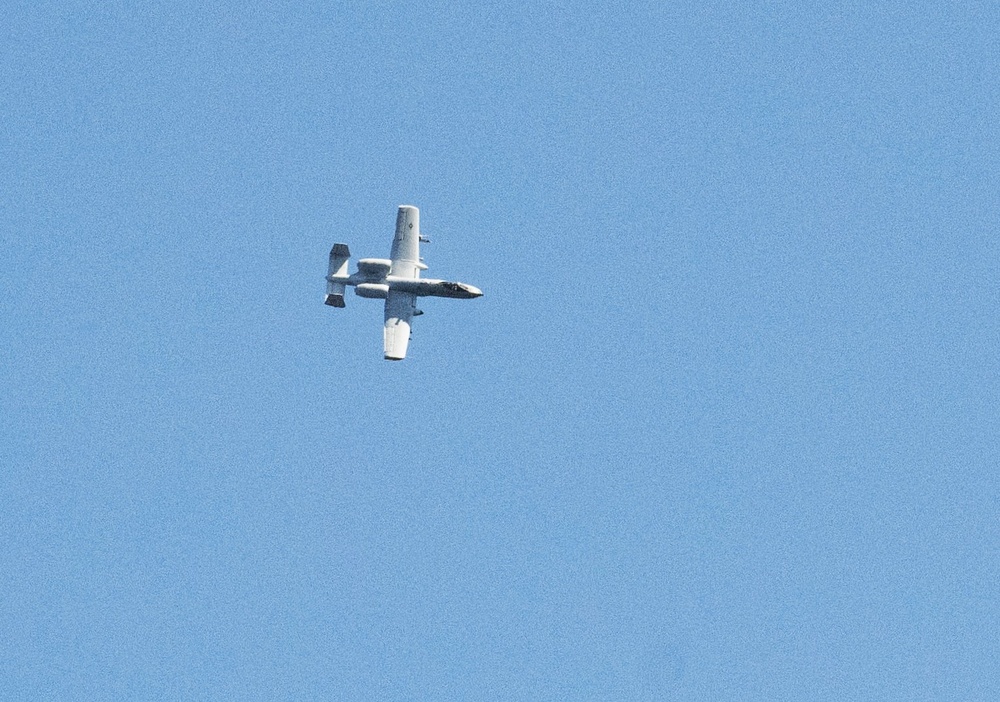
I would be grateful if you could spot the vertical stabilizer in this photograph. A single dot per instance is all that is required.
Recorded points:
(340, 256)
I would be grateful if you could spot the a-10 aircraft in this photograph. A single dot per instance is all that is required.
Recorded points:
(395, 279)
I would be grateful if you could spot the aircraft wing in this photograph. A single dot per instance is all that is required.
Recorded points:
(399, 308)
(406, 243)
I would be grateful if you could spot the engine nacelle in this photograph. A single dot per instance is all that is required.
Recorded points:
(374, 269)
(377, 291)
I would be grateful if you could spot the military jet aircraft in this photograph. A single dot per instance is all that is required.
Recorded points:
(395, 279)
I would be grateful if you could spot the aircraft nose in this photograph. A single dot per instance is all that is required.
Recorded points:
(474, 291)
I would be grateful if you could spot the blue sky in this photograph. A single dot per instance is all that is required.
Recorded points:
(723, 426)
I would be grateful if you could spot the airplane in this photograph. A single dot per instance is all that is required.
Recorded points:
(395, 279)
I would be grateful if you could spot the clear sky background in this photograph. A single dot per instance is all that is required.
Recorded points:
(724, 425)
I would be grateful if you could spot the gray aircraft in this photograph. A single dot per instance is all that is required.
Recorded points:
(395, 279)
